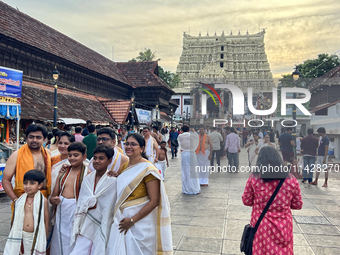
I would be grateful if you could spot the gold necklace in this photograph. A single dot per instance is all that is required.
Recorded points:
(29, 204)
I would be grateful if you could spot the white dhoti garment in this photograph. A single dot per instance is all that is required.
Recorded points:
(91, 227)
(60, 243)
(204, 166)
(252, 156)
(83, 245)
(190, 181)
(27, 241)
(150, 235)
(161, 166)
(35, 241)
(150, 151)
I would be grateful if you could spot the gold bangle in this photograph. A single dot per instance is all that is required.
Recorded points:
(132, 220)
(15, 200)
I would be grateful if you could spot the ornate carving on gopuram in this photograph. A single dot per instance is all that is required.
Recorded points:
(237, 59)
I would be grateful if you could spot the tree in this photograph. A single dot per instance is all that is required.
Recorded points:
(168, 77)
(310, 69)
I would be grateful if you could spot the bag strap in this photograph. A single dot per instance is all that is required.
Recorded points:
(268, 204)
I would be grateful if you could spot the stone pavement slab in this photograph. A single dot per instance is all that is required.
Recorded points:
(212, 222)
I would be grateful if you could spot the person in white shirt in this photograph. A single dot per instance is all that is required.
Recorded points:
(216, 139)
(233, 147)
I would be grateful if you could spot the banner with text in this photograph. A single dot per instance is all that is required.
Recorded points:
(10, 86)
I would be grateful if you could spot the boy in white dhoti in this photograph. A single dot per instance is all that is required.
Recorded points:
(151, 146)
(64, 196)
(94, 214)
(31, 218)
(204, 152)
(162, 159)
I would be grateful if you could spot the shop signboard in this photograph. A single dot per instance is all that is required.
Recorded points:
(144, 116)
(10, 86)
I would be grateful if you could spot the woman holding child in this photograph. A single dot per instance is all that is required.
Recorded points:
(142, 213)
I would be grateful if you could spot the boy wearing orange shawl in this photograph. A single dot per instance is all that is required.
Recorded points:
(30, 156)
(64, 196)
(204, 152)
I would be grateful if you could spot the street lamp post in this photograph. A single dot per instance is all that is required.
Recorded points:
(171, 117)
(157, 114)
(55, 76)
(132, 110)
(296, 74)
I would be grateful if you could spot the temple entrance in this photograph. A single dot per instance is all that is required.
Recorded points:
(212, 109)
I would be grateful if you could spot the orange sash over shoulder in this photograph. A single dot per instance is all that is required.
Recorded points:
(25, 163)
(203, 144)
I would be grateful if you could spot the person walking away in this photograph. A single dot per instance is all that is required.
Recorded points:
(309, 147)
(78, 137)
(286, 141)
(188, 142)
(216, 139)
(294, 168)
(275, 233)
(30, 223)
(252, 145)
(204, 154)
(86, 129)
(245, 134)
(322, 158)
(233, 147)
(90, 141)
(173, 141)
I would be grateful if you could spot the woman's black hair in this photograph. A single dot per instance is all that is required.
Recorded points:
(140, 140)
(34, 175)
(269, 165)
(49, 136)
(57, 136)
(69, 136)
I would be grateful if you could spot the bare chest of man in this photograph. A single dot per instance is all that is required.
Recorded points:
(68, 191)
(39, 164)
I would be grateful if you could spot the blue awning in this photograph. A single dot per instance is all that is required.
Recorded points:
(10, 111)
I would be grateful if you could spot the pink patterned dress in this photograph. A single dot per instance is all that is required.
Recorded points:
(275, 233)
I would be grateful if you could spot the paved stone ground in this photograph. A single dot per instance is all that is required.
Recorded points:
(212, 222)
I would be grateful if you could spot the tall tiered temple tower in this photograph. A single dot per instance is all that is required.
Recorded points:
(238, 59)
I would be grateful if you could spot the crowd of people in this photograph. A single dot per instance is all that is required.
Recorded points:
(87, 194)
(93, 191)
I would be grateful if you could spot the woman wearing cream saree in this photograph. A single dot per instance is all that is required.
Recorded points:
(142, 213)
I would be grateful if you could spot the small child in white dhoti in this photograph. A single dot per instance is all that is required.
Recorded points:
(65, 195)
(31, 218)
(162, 159)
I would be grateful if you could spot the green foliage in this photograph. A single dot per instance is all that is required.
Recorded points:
(309, 69)
(168, 77)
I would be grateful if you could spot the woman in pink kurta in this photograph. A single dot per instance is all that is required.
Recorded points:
(275, 233)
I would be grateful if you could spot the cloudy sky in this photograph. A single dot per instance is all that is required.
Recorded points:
(296, 30)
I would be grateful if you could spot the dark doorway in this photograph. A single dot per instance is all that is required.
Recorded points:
(212, 108)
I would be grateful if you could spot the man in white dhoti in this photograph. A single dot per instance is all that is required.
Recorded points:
(141, 224)
(252, 145)
(64, 196)
(94, 214)
(151, 149)
(204, 153)
(188, 143)
(108, 137)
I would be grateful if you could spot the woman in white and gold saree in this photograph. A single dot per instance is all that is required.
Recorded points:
(142, 223)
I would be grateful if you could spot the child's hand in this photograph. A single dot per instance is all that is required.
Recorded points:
(55, 200)
(64, 168)
(112, 173)
(156, 160)
(167, 164)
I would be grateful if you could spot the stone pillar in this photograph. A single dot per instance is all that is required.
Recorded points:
(221, 93)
